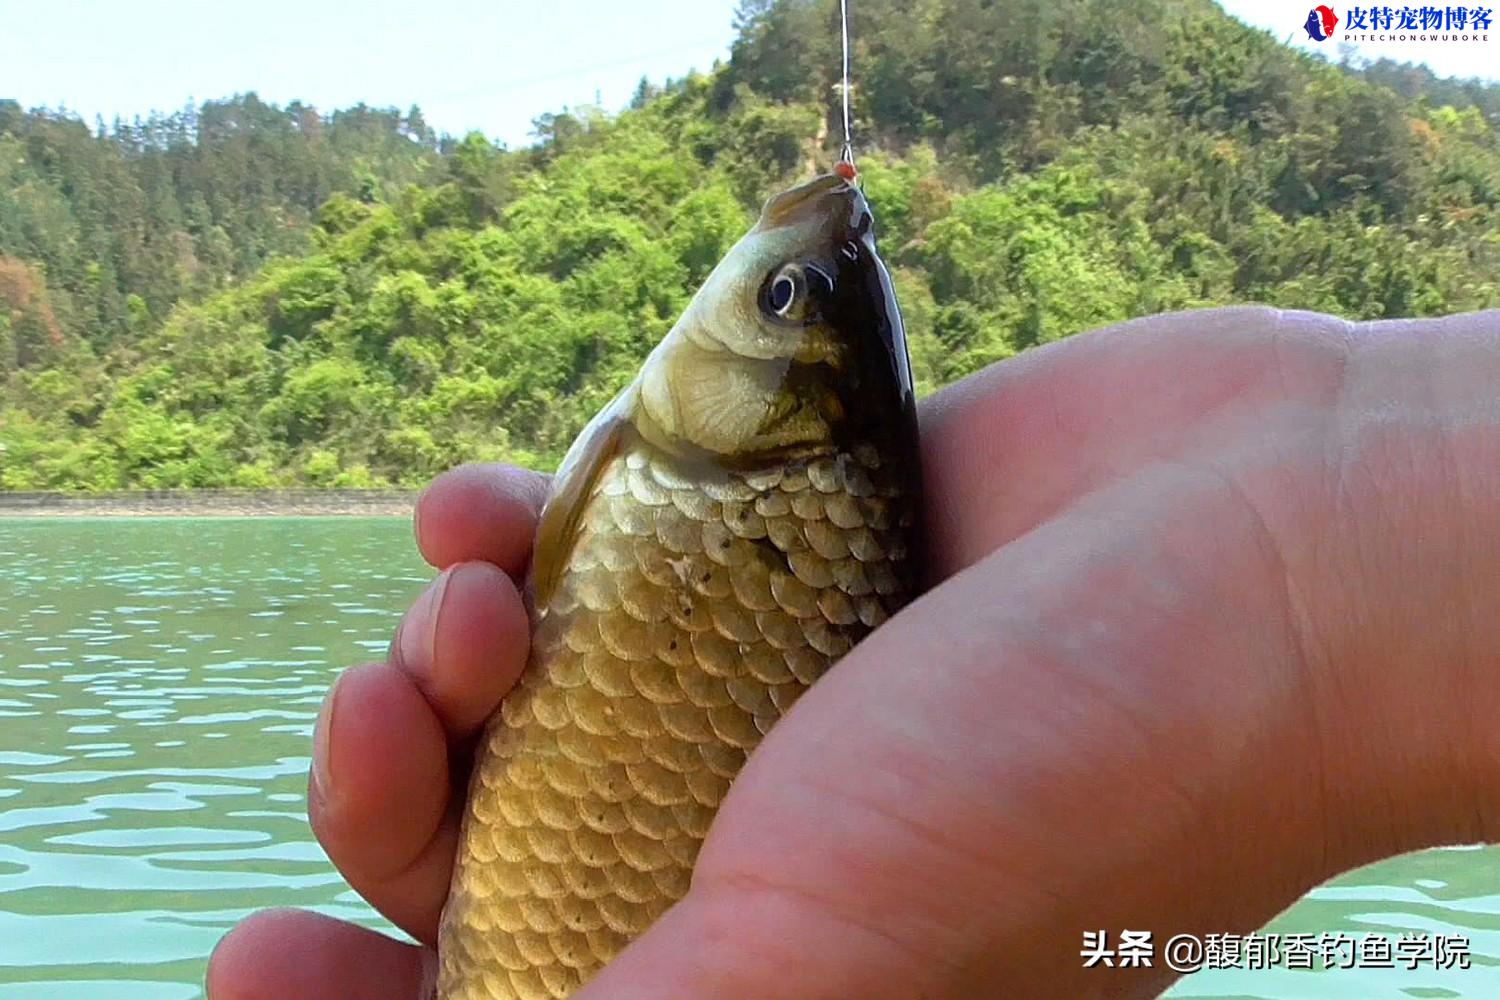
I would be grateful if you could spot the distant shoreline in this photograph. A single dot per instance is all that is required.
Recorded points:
(211, 503)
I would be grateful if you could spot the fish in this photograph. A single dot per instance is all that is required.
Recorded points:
(736, 519)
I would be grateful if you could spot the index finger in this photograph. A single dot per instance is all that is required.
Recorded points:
(480, 513)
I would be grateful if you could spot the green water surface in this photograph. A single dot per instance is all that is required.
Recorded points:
(158, 685)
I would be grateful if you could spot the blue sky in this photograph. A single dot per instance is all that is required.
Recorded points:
(493, 65)
(469, 64)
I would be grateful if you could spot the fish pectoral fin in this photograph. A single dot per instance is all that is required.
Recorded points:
(572, 488)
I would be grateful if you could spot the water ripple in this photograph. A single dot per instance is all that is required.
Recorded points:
(198, 652)
(159, 681)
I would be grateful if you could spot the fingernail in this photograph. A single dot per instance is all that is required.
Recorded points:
(418, 638)
(322, 762)
(416, 520)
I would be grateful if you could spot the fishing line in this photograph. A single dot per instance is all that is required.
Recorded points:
(847, 154)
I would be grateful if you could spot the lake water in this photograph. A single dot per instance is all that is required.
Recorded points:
(158, 685)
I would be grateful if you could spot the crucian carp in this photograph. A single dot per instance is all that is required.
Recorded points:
(735, 520)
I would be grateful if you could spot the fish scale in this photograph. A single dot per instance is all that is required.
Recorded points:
(595, 785)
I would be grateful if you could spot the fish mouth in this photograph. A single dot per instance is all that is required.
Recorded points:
(829, 195)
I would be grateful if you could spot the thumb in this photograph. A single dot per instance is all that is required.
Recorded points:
(1042, 744)
(832, 869)
(760, 940)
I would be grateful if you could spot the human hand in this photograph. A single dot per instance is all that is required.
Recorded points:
(1211, 623)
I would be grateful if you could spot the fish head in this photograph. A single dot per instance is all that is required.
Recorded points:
(793, 343)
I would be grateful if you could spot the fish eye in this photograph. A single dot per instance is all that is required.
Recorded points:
(784, 294)
(783, 290)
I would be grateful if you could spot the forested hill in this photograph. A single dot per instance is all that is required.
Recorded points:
(121, 221)
(247, 295)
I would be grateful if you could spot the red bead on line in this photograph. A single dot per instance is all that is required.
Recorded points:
(846, 170)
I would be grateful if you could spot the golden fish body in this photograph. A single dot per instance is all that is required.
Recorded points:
(729, 527)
